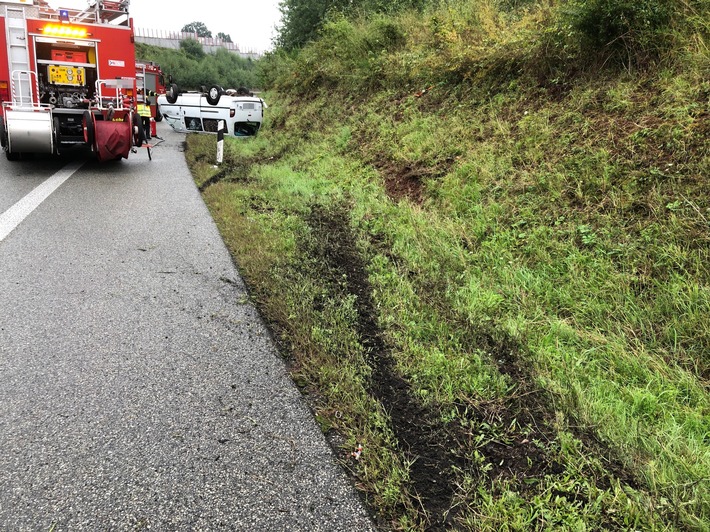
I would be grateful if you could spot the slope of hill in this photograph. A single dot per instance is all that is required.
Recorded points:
(481, 235)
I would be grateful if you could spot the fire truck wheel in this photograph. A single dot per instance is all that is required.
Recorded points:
(214, 94)
(138, 131)
(56, 135)
(3, 133)
(172, 93)
(87, 124)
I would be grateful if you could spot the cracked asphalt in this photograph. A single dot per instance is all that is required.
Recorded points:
(139, 389)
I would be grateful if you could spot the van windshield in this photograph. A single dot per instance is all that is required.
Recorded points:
(245, 129)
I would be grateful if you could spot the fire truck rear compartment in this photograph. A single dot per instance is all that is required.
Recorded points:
(67, 74)
(71, 129)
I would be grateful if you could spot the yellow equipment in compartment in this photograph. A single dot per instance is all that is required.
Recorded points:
(66, 75)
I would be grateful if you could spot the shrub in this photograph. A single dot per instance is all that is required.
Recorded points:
(192, 49)
(632, 31)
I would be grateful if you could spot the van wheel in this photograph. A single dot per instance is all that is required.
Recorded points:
(87, 124)
(214, 94)
(172, 93)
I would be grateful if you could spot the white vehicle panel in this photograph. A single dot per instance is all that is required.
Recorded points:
(191, 112)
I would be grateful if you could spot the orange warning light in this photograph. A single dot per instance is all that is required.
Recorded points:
(62, 30)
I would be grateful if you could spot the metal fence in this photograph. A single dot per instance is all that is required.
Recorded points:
(171, 39)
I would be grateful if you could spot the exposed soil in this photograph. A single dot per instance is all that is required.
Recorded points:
(233, 168)
(230, 170)
(408, 180)
(533, 408)
(525, 449)
(423, 438)
(404, 183)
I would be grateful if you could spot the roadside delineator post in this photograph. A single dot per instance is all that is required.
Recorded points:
(220, 141)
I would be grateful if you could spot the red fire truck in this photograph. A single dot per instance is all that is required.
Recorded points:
(68, 79)
(151, 83)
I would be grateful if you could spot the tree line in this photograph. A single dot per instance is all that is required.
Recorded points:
(191, 68)
(201, 30)
(639, 29)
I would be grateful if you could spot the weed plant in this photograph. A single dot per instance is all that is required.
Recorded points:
(509, 211)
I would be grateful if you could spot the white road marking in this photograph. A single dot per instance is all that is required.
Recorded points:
(12, 217)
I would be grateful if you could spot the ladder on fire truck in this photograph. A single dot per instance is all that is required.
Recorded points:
(19, 57)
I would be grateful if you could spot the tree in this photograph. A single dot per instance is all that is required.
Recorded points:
(197, 27)
(301, 20)
(192, 49)
(224, 36)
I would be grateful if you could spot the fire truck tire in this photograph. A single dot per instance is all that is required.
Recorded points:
(138, 131)
(87, 124)
(213, 94)
(56, 135)
(3, 133)
(172, 93)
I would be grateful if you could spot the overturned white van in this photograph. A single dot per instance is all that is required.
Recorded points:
(201, 112)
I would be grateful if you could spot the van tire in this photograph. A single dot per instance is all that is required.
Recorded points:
(172, 93)
(213, 94)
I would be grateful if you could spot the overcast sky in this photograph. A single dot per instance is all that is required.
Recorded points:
(251, 24)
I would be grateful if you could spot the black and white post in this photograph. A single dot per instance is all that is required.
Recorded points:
(220, 141)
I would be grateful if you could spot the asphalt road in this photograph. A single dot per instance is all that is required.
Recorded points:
(139, 389)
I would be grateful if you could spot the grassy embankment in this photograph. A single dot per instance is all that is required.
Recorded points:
(483, 243)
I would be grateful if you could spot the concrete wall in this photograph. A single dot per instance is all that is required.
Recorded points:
(171, 39)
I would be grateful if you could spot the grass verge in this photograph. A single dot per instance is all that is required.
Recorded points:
(502, 296)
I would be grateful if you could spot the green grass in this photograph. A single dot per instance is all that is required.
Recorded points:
(543, 277)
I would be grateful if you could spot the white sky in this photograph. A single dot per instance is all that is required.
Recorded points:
(250, 23)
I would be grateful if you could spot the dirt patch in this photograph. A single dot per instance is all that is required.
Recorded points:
(404, 183)
(230, 170)
(532, 409)
(408, 181)
(233, 169)
(515, 436)
(430, 445)
(521, 447)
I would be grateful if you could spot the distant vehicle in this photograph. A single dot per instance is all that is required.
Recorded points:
(201, 112)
